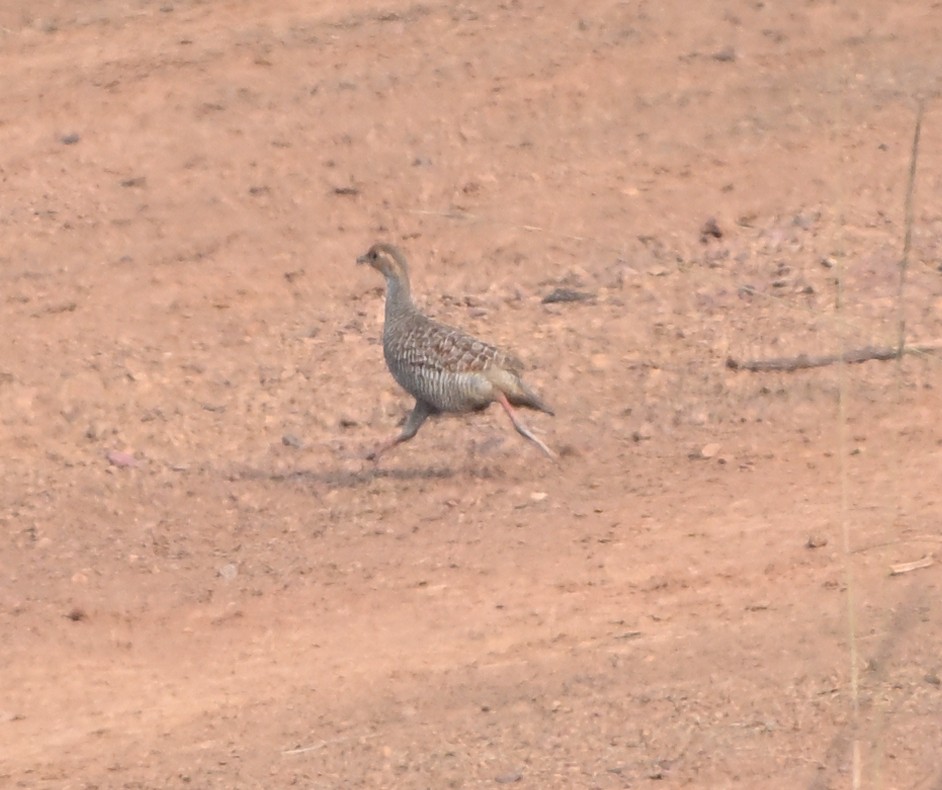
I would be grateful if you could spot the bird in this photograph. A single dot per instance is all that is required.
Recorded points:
(442, 367)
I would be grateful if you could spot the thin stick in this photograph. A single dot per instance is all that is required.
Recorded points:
(849, 579)
(851, 357)
(842, 429)
(327, 742)
(900, 542)
(908, 234)
(303, 749)
(915, 565)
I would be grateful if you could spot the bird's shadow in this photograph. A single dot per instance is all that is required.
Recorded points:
(345, 478)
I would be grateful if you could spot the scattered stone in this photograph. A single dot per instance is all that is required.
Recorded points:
(816, 541)
(805, 221)
(76, 614)
(69, 139)
(58, 307)
(566, 295)
(725, 55)
(121, 459)
(709, 450)
(508, 778)
(229, 571)
(710, 229)
(600, 362)
(290, 440)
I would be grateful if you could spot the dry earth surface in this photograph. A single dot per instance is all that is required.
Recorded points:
(202, 581)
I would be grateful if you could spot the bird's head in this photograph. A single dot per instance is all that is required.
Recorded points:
(388, 260)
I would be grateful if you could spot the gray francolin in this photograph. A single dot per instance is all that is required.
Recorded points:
(443, 368)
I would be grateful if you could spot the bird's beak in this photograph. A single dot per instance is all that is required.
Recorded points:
(365, 258)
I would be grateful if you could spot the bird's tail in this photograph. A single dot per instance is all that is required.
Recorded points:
(518, 393)
(522, 395)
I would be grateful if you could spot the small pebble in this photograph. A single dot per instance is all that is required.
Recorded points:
(709, 450)
(121, 459)
(710, 229)
(566, 295)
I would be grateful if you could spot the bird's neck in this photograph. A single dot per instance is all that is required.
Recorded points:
(398, 298)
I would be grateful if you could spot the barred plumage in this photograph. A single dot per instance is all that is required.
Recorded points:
(442, 367)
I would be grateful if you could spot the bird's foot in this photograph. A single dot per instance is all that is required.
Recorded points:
(524, 430)
(374, 454)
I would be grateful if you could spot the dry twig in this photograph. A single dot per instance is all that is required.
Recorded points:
(851, 357)
(915, 565)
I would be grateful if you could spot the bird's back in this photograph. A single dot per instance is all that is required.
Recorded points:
(442, 365)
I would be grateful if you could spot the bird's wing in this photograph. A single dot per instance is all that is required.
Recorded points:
(441, 347)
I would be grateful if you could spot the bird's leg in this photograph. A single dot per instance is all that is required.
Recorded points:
(419, 414)
(521, 427)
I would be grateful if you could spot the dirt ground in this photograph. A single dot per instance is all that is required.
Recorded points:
(203, 583)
